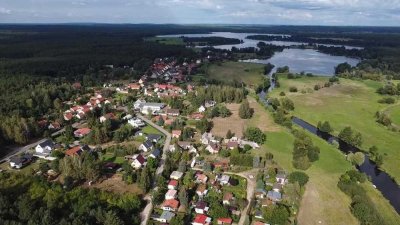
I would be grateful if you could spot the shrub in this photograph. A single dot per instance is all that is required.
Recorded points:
(300, 177)
(293, 89)
(387, 100)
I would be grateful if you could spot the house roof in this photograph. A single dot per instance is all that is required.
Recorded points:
(173, 183)
(201, 205)
(172, 111)
(46, 143)
(232, 144)
(225, 220)
(140, 159)
(171, 193)
(176, 174)
(176, 132)
(274, 195)
(200, 218)
(74, 151)
(172, 203)
(154, 136)
(167, 215)
(148, 143)
(156, 153)
(83, 131)
(228, 196)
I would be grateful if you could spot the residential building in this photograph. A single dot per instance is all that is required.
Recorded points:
(223, 179)
(281, 178)
(201, 219)
(165, 217)
(146, 146)
(17, 162)
(155, 154)
(274, 196)
(45, 147)
(173, 185)
(171, 194)
(176, 175)
(213, 148)
(136, 122)
(201, 190)
(154, 137)
(151, 108)
(201, 207)
(82, 132)
(170, 205)
(138, 161)
(201, 178)
(224, 221)
(172, 112)
(227, 199)
(176, 133)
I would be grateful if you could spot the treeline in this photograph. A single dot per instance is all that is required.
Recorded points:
(30, 200)
(217, 93)
(210, 41)
(264, 50)
(362, 206)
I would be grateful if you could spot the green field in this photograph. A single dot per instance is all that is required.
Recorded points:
(249, 73)
(394, 113)
(322, 200)
(167, 40)
(350, 103)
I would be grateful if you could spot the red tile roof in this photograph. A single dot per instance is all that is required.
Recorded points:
(200, 218)
(73, 151)
(172, 203)
(225, 220)
(173, 183)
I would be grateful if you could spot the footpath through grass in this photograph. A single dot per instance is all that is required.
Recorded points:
(350, 103)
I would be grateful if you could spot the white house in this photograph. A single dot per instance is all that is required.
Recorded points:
(201, 207)
(281, 178)
(201, 219)
(151, 107)
(165, 217)
(138, 161)
(146, 146)
(136, 122)
(138, 102)
(212, 148)
(45, 147)
(223, 179)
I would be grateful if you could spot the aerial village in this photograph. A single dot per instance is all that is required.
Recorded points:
(155, 127)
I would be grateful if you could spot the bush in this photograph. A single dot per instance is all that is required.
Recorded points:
(387, 100)
(293, 89)
(317, 87)
(282, 93)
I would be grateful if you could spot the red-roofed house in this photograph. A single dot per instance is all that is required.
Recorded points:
(68, 116)
(176, 133)
(82, 132)
(172, 185)
(134, 86)
(197, 116)
(170, 205)
(224, 221)
(74, 151)
(201, 219)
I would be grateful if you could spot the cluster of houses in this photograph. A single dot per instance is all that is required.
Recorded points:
(148, 149)
(200, 206)
(214, 145)
(267, 198)
(80, 111)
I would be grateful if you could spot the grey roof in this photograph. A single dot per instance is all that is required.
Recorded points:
(152, 104)
(156, 153)
(167, 215)
(148, 144)
(47, 142)
(153, 137)
(274, 195)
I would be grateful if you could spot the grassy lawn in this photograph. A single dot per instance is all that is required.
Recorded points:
(350, 103)
(240, 190)
(150, 130)
(394, 113)
(167, 40)
(249, 73)
(109, 157)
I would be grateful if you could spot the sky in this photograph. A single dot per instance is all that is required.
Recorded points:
(271, 12)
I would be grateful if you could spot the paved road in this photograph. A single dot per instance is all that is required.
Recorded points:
(15, 150)
(145, 214)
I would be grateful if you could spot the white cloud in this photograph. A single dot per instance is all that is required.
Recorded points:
(4, 11)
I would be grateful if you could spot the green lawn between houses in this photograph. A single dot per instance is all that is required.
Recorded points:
(150, 130)
(350, 103)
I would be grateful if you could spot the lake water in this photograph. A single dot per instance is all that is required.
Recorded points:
(247, 42)
(307, 60)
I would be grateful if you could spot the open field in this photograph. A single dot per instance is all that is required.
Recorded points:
(394, 113)
(350, 103)
(117, 185)
(248, 73)
(322, 201)
(237, 125)
(150, 130)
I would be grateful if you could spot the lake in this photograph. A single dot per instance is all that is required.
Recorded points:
(298, 60)
(247, 42)
(307, 60)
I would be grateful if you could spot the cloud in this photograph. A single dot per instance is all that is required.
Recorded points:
(4, 11)
(313, 12)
